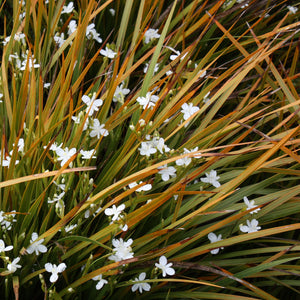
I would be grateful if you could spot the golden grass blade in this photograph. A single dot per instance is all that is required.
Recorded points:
(43, 175)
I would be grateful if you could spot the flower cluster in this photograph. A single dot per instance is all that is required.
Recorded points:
(96, 129)
(7, 220)
(72, 116)
(252, 225)
(5, 158)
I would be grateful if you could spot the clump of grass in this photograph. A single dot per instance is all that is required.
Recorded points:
(149, 149)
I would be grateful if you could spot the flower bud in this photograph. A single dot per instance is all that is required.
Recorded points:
(132, 127)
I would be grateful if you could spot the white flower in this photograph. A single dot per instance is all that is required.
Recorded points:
(68, 9)
(188, 110)
(122, 250)
(245, 5)
(108, 53)
(185, 161)
(142, 122)
(101, 282)
(79, 119)
(13, 266)
(146, 187)
(177, 53)
(64, 154)
(174, 56)
(60, 208)
(19, 37)
(6, 40)
(145, 70)
(55, 270)
(92, 103)
(148, 101)
(196, 155)
(165, 266)
(6, 160)
(159, 144)
(120, 93)
(201, 72)
(250, 227)
(214, 238)
(91, 33)
(166, 172)
(114, 211)
(70, 228)
(141, 285)
(150, 35)
(112, 11)
(87, 154)
(251, 204)
(31, 64)
(124, 228)
(72, 27)
(22, 15)
(92, 211)
(61, 185)
(2, 246)
(59, 39)
(36, 246)
(292, 9)
(20, 145)
(147, 149)
(17, 60)
(54, 146)
(6, 220)
(56, 198)
(212, 178)
(98, 129)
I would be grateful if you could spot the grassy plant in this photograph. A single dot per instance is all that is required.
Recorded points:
(135, 134)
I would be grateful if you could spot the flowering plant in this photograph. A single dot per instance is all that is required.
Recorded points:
(133, 134)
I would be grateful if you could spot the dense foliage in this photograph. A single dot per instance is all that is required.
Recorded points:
(149, 149)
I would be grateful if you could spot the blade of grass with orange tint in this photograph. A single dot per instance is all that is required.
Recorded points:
(43, 175)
